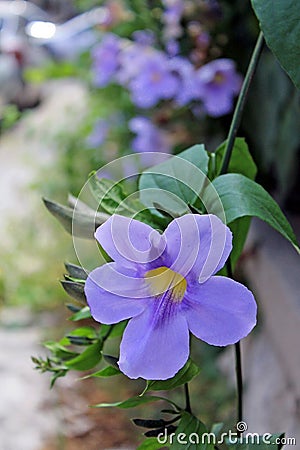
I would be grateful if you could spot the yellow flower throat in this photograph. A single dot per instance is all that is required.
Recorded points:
(163, 279)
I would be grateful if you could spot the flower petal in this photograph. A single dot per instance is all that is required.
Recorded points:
(128, 241)
(220, 311)
(154, 347)
(197, 245)
(113, 295)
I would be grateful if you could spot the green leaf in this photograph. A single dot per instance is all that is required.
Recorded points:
(60, 351)
(116, 330)
(111, 360)
(280, 23)
(82, 336)
(84, 313)
(75, 290)
(242, 197)
(88, 359)
(186, 374)
(241, 160)
(150, 444)
(239, 228)
(80, 224)
(112, 199)
(255, 442)
(108, 371)
(176, 182)
(76, 271)
(133, 402)
(189, 435)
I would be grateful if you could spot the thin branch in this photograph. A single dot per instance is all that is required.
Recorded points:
(187, 399)
(239, 109)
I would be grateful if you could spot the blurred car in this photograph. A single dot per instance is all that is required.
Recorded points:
(68, 40)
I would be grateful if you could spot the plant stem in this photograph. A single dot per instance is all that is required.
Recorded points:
(239, 381)
(239, 108)
(187, 399)
(238, 363)
(235, 123)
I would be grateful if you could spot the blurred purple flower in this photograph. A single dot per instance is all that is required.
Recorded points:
(144, 37)
(132, 59)
(172, 47)
(99, 134)
(166, 284)
(217, 85)
(106, 59)
(149, 137)
(185, 72)
(154, 82)
(173, 10)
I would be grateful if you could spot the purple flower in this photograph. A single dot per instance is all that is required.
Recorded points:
(186, 74)
(106, 59)
(154, 81)
(149, 137)
(132, 58)
(171, 18)
(99, 133)
(166, 285)
(172, 47)
(144, 37)
(217, 84)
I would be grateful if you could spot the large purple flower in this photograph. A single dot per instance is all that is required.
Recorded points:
(217, 84)
(165, 284)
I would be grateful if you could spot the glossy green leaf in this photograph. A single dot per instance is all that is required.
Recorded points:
(241, 160)
(186, 374)
(176, 182)
(242, 197)
(114, 330)
(280, 23)
(133, 402)
(84, 313)
(189, 435)
(108, 371)
(88, 359)
(113, 199)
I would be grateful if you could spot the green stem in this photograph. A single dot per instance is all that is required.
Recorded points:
(235, 123)
(187, 399)
(238, 363)
(239, 109)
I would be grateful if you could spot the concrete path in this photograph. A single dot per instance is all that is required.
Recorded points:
(28, 410)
